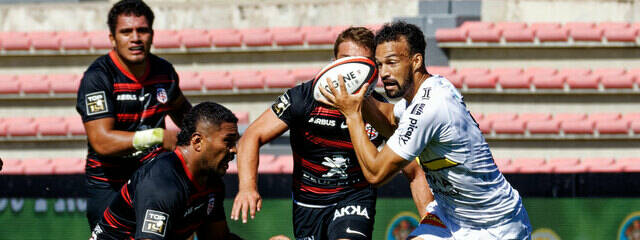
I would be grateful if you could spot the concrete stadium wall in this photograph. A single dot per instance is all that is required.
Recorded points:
(561, 10)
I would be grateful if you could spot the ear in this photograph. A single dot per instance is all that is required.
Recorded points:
(112, 39)
(196, 141)
(416, 62)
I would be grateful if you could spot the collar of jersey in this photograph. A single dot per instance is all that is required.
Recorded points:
(186, 170)
(114, 59)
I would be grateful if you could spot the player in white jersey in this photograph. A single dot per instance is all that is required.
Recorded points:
(431, 125)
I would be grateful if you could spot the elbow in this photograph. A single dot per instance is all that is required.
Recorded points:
(376, 180)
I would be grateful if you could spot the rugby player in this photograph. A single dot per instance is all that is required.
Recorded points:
(331, 197)
(179, 192)
(433, 127)
(123, 99)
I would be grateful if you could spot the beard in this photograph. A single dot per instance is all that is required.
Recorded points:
(402, 89)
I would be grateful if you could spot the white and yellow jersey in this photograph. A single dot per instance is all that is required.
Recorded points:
(437, 130)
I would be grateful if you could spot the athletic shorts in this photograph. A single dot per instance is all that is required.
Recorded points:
(99, 196)
(350, 218)
(436, 226)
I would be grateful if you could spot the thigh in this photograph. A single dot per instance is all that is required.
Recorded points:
(309, 223)
(98, 198)
(352, 220)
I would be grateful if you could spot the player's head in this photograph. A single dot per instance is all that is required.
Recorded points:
(400, 49)
(354, 41)
(131, 30)
(210, 132)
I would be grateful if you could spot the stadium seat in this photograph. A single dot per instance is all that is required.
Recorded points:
(9, 86)
(621, 35)
(278, 78)
(500, 116)
(566, 165)
(510, 25)
(531, 165)
(373, 27)
(543, 126)
(304, 74)
(630, 164)
(3, 128)
(617, 81)
(583, 82)
(166, 39)
(600, 72)
(534, 116)
(37, 166)
(51, 126)
(613, 25)
(484, 125)
(481, 81)
(476, 25)
(65, 166)
(456, 80)
(552, 35)
(586, 34)
(190, 81)
(287, 36)
(318, 34)
(473, 71)
(441, 70)
(634, 125)
(31, 83)
(268, 164)
(225, 37)
(569, 116)
(64, 83)
(247, 79)
(12, 166)
(15, 42)
(601, 164)
(507, 71)
(75, 41)
(21, 126)
(566, 72)
(451, 35)
(518, 35)
(604, 116)
(170, 125)
(477, 116)
(631, 116)
(485, 35)
(99, 40)
(76, 126)
(286, 163)
(504, 165)
(195, 38)
(218, 80)
(548, 81)
(514, 81)
(44, 40)
(577, 127)
(509, 127)
(540, 71)
(243, 117)
(612, 126)
(255, 37)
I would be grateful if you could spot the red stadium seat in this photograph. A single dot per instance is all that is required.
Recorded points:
(456, 80)
(548, 81)
(319, 34)
(617, 81)
(100, 40)
(507, 71)
(75, 41)
(578, 25)
(485, 125)
(621, 35)
(286, 162)
(540, 71)
(566, 72)
(64, 83)
(501, 116)
(268, 164)
(577, 127)
(485, 35)
(629, 164)
(12, 166)
(518, 35)
(631, 116)
(278, 78)
(190, 81)
(286, 36)
(543, 126)
(44, 40)
(481, 81)
(569, 116)
(601, 164)
(514, 81)
(15, 42)
(635, 126)
(451, 35)
(473, 71)
(243, 117)
(34, 84)
(64, 166)
(534, 116)
(218, 80)
(504, 165)
(225, 37)
(373, 27)
(510, 25)
(3, 128)
(9, 86)
(21, 126)
(305, 74)
(256, 37)
(583, 82)
(76, 126)
(604, 116)
(552, 35)
(531, 165)
(195, 38)
(38, 166)
(247, 79)
(613, 25)
(51, 126)
(586, 34)
(477, 116)
(544, 25)
(509, 127)
(166, 39)
(612, 126)
(566, 165)
(170, 125)
(441, 70)
(601, 72)
(476, 25)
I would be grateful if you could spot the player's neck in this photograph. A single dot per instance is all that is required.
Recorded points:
(192, 166)
(418, 78)
(138, 70)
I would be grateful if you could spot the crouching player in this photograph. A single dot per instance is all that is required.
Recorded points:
(180, 192)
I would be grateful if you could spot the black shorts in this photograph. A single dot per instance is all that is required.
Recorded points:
(99, 196)
(351, 218)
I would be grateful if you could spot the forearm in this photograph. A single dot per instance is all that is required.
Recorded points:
(420, 190)
(248, 153)
(366, 152)
(112, 142)
(181, 107)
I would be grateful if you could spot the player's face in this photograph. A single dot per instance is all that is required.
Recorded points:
(352, 49)
(132, 39)
(220, 147)
(394, 66)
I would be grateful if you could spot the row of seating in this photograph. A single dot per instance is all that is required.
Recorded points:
(497, 79)
(64, 126)
(177, 39)
(568, 165)
(272, 164)
(520, 32)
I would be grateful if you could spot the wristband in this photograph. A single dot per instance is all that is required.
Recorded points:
(147, 138)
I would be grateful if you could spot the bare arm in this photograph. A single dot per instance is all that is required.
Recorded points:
(420, 191)
(264, 129)
(379, 115)
(109, 142)
(180, 106)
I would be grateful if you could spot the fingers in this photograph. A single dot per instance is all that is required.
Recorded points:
(329, 98)
(259, 204)
(343, 88)
(244, 212)
(363, 91)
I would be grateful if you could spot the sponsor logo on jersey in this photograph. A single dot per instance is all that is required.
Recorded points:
(323, 122)
(417, 109)
(161, 95)
(406, 136)
(351, 210)
(212, 204)
(281, 104)
(425, 93)
(338, 165)
(193, 209)
(155, 222)
(126, 97)
(96, 103)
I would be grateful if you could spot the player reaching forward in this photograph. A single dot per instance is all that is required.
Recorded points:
(472, 198)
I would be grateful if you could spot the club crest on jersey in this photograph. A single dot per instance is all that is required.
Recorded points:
(351, 210)
(155, 222)
(371, 132)
(212, 201)
(161, 95)
(406, 136)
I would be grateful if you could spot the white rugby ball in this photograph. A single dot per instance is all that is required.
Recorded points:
(356, 71)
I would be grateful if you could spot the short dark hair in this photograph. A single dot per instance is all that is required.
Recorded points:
(412, 34)
(360, 35)
(129, 7)
(209, 112)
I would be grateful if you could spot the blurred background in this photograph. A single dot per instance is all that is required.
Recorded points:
(554, 85)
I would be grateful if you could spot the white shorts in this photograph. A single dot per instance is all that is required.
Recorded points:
(436, 226)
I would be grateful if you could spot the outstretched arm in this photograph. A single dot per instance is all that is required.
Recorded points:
(420, 190)
(264, 129)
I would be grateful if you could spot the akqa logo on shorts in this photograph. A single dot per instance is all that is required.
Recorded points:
(96, 103)
(351, 210)
(281, 104)
(417, 109)
(322, 121)
(155, 222)
(406, 136)
(161, 95)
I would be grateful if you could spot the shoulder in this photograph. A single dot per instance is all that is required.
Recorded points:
(162, 171)
(159, 63)
(100, 66)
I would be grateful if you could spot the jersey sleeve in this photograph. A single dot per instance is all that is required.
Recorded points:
(156, 208)
(419, 124)
(95, 99)
(399, 108)
(288, 105)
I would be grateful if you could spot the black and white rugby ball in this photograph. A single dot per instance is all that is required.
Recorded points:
(356, 71)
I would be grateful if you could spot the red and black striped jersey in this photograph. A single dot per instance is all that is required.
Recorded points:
(108, 90)
(161, 201)
(325, 164)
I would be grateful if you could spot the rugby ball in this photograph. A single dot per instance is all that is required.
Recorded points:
(356, 71)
